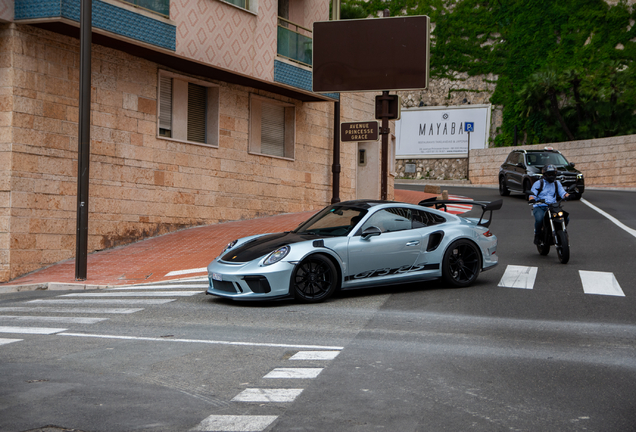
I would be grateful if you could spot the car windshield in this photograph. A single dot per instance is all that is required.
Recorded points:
(332, 221)
(547, 158)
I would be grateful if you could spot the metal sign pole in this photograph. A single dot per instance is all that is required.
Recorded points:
(84, 140)
(384, 131)
(335, 166)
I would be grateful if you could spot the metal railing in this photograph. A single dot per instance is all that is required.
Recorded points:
(296, 44)
(161, 7)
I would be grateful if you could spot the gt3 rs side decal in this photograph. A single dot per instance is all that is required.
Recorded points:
(387, 271)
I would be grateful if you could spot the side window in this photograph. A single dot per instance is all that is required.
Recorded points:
(389, 220)
(422, 218)
(272, 127)
(188, 110)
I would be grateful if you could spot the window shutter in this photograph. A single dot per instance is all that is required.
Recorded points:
(196, 112)
(273, 130)
(165, 103)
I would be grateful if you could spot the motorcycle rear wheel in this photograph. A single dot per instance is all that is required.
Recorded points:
(563, 250)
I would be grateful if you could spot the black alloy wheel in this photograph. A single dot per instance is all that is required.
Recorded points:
(503, 190)
(462, 263)
(314, 279)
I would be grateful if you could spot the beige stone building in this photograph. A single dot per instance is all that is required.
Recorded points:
(202, 112)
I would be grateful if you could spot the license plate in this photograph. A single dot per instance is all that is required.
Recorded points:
(217, 277)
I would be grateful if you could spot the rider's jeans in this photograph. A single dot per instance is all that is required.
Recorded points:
(539, 212)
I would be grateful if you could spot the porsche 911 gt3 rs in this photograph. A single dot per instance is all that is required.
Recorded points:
(356, 244)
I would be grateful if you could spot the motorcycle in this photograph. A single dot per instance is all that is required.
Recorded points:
(553, 231)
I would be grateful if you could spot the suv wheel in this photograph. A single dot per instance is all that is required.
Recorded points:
(503, 190)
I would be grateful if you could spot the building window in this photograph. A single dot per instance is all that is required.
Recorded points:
(248, 5)
(188, 109)
(272, 127)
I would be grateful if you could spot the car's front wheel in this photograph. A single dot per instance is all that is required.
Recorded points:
(503, 190)
(314, 279)
(462, 263)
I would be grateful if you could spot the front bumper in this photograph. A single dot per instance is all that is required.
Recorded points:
(249, 281)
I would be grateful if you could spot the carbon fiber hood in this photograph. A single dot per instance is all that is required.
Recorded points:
(264, 245)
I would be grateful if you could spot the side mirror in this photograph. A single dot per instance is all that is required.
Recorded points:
(372, 231)
(572, 164)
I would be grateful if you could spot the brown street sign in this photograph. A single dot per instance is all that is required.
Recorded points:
(359, 131)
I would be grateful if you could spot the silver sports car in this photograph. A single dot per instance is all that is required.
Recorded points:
(357, 244)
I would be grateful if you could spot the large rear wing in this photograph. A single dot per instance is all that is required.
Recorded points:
(485, 207)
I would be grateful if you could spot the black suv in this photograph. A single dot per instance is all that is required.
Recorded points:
(523, 167)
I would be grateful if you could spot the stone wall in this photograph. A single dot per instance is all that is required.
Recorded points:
(140, 185)
(431, 169)
(605, 162)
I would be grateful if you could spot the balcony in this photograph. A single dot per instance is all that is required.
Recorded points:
(294, 42)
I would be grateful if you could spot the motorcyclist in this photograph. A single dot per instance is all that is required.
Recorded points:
(545, 189)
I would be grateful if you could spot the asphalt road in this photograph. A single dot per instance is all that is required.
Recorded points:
(548, 357)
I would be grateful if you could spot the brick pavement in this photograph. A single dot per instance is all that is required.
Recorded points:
(152, 259)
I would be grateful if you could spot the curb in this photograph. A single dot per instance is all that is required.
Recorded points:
(50, 286)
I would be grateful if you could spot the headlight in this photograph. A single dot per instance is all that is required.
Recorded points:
(560, 214)
(579, 176)
(277, 255)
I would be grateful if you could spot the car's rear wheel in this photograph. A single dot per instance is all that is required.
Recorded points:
(503, 190)
(461, 264)
(314, 279)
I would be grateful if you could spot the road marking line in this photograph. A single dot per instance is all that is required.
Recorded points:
(610, 217)
(136, 294)
(602, 283)
(71, 310)
(182, 272)
(4, 341)
(235, 423)
(30, 330)
(151, 287)
(315, 355)
(294, 373)
(518, 277)
(73, 320)
(102, 301)
(213, 342)
(267, 395)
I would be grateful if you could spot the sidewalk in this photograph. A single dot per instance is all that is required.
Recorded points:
(153, 259)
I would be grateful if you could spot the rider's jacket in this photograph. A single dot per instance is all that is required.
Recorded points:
(547, 193)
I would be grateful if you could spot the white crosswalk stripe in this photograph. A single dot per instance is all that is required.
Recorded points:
(601, 283)
(145, 302)
(4, 341)
(153, 287)
(518, 277)
(267, 395)
(31, 330)
(234, 423)
(40, 309)
(71, 320)
(135, 294)
(294, 373)
(315, 355)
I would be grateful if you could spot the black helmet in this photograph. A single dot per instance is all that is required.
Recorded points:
(549, 173)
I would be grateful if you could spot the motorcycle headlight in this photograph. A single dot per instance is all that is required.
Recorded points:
(277, 255)
(554, 215)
